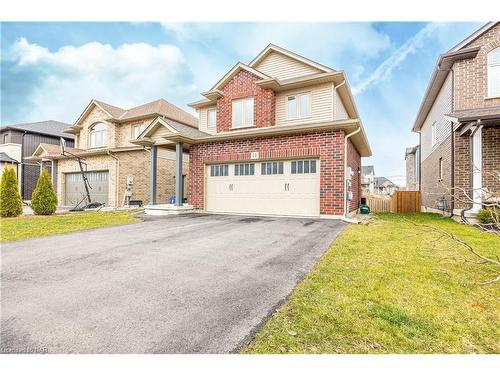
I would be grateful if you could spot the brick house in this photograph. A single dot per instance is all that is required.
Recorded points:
(19, 141)
(117, 169)
(278, 136)
(458, 123)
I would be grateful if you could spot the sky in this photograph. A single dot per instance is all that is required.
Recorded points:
(53, 70)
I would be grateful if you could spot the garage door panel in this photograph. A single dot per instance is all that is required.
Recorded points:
(284, 194)
(74, 191)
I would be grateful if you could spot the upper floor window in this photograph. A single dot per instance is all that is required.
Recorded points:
(98, 135)
(299, 106)
(211, 118)
(494, 73)
(433, 133)
(242, 112)
(136, 131)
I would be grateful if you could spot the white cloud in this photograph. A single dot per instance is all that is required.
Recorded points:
(128, 75)
(384, 70)
(316, 40)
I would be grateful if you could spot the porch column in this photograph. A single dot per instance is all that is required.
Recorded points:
(179, 194)
(477, 166)
(152, 174)
(53, 169)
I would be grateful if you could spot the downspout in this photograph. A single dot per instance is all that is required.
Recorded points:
(346, 208)
(117, 196)
(22, 163)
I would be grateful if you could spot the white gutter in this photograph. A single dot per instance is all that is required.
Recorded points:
(346, 208)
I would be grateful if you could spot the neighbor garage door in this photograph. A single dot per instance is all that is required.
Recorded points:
(273, 187)
(75, 189)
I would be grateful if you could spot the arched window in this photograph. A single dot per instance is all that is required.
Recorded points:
(494, 73)
(98, 135)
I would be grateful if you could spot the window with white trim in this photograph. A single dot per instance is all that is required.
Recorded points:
(136, 131)
(211, 118)
(247, 169)
(303, 166)
(98, 135)
(271, 168)
(242, 112)
(434, 133)
(494, 73)
(298, 106)
(219, 170)
(440, 169)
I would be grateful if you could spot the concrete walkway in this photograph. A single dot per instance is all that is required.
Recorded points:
(185, 284)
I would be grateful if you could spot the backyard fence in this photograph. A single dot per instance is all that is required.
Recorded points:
(400, 202)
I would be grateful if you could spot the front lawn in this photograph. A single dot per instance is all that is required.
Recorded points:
(392, 287)
(24, 227)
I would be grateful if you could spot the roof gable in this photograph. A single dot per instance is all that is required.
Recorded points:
(235, 70)
(277, 65)
(272, 55)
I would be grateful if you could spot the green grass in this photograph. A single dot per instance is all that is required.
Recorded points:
(24, 227)
(392, 287)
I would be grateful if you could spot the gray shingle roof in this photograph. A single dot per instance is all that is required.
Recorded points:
(7, 159)
(50, 127)
(379, 181)
(186, 130)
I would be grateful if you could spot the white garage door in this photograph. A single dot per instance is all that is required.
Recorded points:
(273, 187)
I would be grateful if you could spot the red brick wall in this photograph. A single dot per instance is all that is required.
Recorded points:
(328, 146)
(354, 161)
(242, 85)
(470, 76)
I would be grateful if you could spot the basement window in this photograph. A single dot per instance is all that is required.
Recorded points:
(219, 170)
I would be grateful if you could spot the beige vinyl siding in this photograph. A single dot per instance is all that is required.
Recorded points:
(203, 115)
(442, 105)
(339, 111)
(279, 66)
(321, 105)
(160, 132)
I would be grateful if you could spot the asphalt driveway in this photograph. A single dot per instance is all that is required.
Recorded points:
(184, 284)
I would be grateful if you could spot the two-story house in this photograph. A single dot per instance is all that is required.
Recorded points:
(367, 179)
(278, 136)
(117, 169)
(19, 141)
(458, 123)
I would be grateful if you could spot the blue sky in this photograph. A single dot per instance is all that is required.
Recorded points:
(52, 70)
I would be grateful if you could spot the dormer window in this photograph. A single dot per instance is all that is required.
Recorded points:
(298, 106)
(494, 73)
(243, 113)
(98, 136)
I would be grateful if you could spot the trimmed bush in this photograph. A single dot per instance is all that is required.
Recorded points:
(10, 199)
(44, 199)
(488, 215)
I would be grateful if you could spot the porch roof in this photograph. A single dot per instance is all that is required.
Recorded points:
(475, 114)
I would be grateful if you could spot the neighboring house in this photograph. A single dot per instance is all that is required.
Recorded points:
(412, 158)
(368, 179)
(117, 169)
(19, 141)
(459, 125)
(279, 136)
(6, 160)
(384, 186)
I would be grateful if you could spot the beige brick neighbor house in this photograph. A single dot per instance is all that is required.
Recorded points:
(459, 126)
(117, 170)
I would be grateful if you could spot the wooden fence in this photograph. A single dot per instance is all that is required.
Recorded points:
(400, 202)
